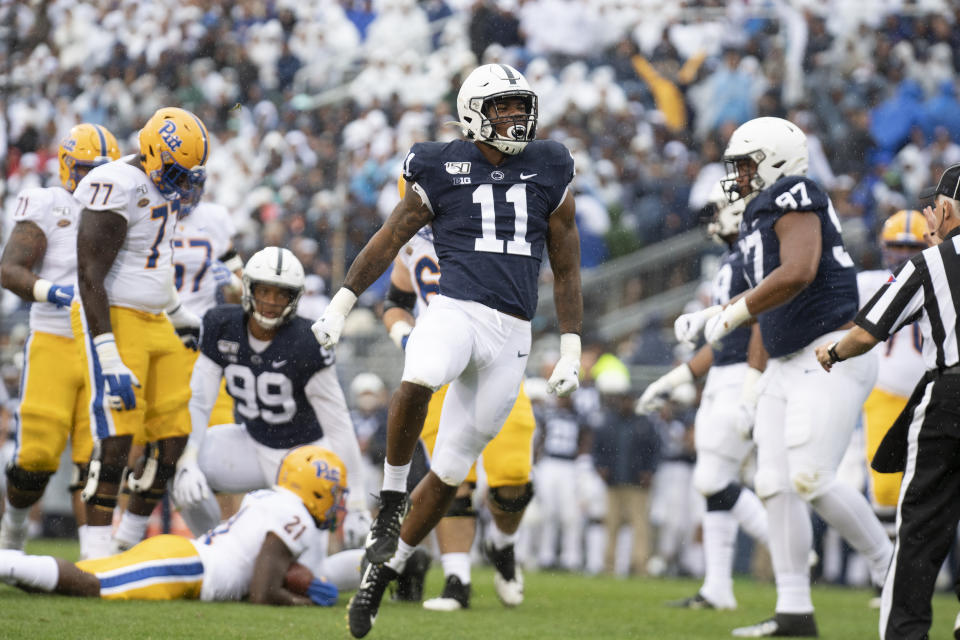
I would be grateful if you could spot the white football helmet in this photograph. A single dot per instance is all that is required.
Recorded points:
(727, 216)
(279, 267)
(777, 147)
(477, 107)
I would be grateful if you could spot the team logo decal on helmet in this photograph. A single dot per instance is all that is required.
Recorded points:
(173, 149)
(86, 146)
(319, 478)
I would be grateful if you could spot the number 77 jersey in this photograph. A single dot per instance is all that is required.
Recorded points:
(490, 221)
(827, 303)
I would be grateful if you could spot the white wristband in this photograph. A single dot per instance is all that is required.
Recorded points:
(400, 330)
(106, 346)
(343, 301)
(570, 346)
(40, 289)
(738, 312)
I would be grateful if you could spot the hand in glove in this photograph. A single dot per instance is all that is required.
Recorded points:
(565, 378)
(190, 484)
(323, 593)
(187, 325)
(688, 326)
(732, 316)
(330, 325)
(118, 379)
(655, 395)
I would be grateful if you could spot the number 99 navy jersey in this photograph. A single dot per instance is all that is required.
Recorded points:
(269, 387)
(490, 222)
(830, 301)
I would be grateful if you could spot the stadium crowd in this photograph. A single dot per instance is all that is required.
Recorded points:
(311, 106)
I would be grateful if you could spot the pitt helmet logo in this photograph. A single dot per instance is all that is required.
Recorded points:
(326, 472)
(167, 132)
(70, 144)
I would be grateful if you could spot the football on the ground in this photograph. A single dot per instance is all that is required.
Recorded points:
(297, 579)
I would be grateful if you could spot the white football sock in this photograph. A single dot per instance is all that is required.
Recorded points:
(99, 541)
(847, 511)
(399, 559)
(719, 538)
(131, 529)
(791, 537)
(36, 572)
(395, 478)
(498, 538)
(14, 516)
(749, 512)
(343, 569)
(456, 564)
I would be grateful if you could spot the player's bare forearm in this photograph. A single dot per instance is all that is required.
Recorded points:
(269, 569)
(99, 238)
(24, 250)
(757, 355)
(407, 218)
(563, 247)
(701, 361)
(800, 239)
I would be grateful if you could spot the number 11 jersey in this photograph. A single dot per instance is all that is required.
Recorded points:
(490, 221)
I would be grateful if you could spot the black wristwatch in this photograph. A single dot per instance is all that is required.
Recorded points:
(832, 352)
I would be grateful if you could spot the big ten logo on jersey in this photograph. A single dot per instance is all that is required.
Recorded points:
(168, 135)
(326, 472)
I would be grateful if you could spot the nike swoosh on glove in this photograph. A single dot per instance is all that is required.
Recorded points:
(190, 485)
(323, 593)
(60, 295)
(118, 379)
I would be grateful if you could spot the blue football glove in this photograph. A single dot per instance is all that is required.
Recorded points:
(118, 379)
(60, 295)
(323, 593)
(220, 272)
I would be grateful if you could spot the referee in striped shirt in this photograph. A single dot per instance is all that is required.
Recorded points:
(924, 442)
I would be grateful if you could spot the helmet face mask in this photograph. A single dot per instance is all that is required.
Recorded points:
(87, 146)
(319, 478)
(279, 269)
(487, 105)
(173, 149)
(760, 152)
(724, 226)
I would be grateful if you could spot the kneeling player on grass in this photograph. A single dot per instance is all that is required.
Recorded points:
(252, 555)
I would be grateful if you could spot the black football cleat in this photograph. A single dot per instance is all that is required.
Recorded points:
(508, 580)
(455, 596)
(385, 532)
(365, 603)
(781, 625)
(411, 579)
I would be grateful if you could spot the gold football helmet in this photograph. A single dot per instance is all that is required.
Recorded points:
(319, 478)
(902, 237)
(174, 145)
(86, 146)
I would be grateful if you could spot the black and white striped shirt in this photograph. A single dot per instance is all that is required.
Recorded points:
(925, 290)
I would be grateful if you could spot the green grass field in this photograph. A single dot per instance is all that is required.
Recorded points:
(556, 606)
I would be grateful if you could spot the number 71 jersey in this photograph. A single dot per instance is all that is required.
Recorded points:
(490, 221)
(827, 303)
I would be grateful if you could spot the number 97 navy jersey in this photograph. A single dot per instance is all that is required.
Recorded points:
(490, 221)
(827, 303)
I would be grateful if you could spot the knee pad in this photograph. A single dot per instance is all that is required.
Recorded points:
(97, 472)
(78, 477)
(811, 484)
(27, 481)
(512, 505)
(151, 460)
(461, 507)
(157, 470)
(768, 483)
(724, 499)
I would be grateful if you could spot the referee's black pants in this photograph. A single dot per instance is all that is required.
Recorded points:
(928, 511)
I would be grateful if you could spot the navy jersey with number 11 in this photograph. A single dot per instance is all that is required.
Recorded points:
(490, 221)
(827, 303)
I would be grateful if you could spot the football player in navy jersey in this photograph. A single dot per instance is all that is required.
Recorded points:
(495, 201)
(722, 432)
(285, 392)
(803, 292)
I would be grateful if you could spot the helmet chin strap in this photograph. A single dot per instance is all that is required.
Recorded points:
(268, 323)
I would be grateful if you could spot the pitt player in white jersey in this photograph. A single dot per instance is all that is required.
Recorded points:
(506, 459)
(39, 264)
(248, 555)
(135, 363)
(204, 260)
(901, 362)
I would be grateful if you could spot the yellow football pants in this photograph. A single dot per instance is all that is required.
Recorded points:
(163, 567)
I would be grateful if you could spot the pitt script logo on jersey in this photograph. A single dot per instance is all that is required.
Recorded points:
(167, 134)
